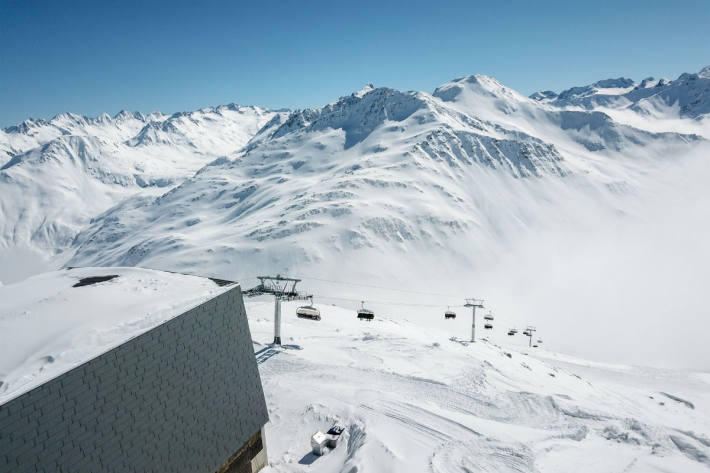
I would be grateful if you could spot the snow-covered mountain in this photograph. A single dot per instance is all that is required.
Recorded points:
(583, 213)
(56, 175)
(531, 201)
(460, 172)
(651, 100)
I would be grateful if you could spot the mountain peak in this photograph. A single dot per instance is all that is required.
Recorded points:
(477, 83)
(704, 72)
(618, 83)
(543, 95)
(67, 117)
(356, 114)
(481, 80)
(365, 90)
(126, 115)
(26, 125)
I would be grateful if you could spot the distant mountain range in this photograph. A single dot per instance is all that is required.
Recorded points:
(687, 96)
(460, 173)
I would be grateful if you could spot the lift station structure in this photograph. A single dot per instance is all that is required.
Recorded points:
(529, 332)
(283, 289)
(473, 304)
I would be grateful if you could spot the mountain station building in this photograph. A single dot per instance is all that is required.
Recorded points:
(128, 370)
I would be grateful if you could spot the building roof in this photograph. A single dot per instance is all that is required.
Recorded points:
(53, 322)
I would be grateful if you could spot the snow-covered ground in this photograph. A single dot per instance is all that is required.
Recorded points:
(583, 212)
(415, 395)
(49, 326)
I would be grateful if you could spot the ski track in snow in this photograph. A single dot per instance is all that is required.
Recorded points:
(411, 405)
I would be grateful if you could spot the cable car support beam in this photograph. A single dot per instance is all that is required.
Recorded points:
(473, 304)
(283, 289)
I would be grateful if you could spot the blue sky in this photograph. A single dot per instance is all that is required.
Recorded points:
(106, 56)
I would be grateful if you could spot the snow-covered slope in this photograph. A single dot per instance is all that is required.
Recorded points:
(473, 186)
(458, 174)
(654, 104)
(59, 174)
(586, 216)
(414, 396)
(570, 127)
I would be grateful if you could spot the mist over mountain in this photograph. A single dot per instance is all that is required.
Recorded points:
(528, 201)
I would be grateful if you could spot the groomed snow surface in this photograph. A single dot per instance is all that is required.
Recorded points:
(48, 326)
(414, 395)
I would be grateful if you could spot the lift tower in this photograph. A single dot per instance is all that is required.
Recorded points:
(283, 289)
(473, 304)
(529, 332)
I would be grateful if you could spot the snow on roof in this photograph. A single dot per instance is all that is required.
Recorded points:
(53, 322)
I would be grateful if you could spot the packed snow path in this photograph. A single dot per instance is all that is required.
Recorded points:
(414, 397)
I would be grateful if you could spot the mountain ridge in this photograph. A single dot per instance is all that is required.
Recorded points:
(471, 186)
(373, 153)
(470, 121)
(689, 92)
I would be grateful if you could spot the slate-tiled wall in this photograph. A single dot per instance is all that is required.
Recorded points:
(182, 397)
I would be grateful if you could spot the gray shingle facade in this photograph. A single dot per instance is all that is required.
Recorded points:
(182, 397)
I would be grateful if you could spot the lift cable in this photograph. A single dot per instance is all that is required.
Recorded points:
(409, 291)
(263, 289)
(391, 303)
(346, 283)
(407, 304)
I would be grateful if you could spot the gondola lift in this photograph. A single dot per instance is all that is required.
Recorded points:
(488, 316)
(449, 314)
(363, 313)
(488, 326)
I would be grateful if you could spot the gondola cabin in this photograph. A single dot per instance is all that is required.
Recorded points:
(365, 314)
(308, 312)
